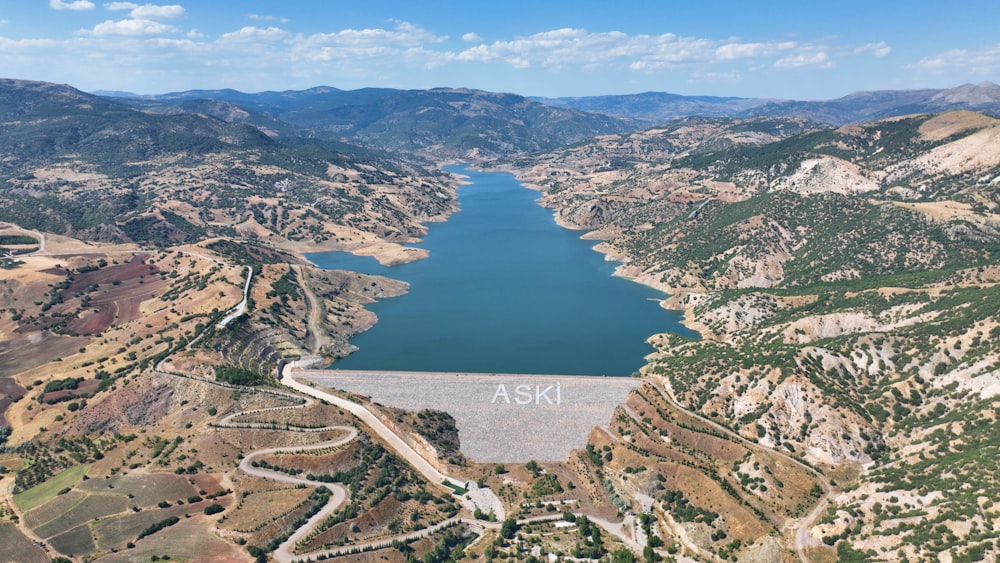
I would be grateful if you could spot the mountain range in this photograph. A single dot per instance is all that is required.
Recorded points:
(838, 258)
(654, 108)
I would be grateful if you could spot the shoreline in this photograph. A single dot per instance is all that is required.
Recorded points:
(387, 253)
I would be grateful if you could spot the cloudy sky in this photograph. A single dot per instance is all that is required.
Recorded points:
(781, 49)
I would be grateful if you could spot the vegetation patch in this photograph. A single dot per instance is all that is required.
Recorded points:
(40, 494)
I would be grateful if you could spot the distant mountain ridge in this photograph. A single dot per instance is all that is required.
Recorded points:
(655, 108)
(443, 122)
(447, 123)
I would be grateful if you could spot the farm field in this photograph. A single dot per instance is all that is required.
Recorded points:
(102, 515)
(145, 489)
(190, 540)
(40, 494)
(259, 509)
(18, 548)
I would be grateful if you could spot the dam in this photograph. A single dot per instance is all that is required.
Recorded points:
(502, 418)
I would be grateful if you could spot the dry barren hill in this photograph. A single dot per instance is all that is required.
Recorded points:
(845, 283)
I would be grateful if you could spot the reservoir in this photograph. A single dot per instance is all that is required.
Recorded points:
(506, 290)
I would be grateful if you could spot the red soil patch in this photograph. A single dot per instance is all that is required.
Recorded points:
(121, 289)
(9, 392)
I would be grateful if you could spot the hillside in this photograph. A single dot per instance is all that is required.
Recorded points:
(84, 166)
(845, 283)
(127, 239)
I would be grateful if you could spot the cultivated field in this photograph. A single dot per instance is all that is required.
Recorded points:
(18, 548)
(39, 495)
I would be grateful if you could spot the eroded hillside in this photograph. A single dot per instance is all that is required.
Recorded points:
(845, 284)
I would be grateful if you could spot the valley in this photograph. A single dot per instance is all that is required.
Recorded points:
(159, 317)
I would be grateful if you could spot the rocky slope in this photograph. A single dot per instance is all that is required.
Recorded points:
(845, 284)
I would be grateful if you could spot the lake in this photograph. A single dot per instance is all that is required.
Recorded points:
(506, 290)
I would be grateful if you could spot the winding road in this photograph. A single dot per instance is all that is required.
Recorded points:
(41, 237)
(240, 308)
(283, 553)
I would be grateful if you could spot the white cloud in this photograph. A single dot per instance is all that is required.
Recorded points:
(147, 11)
(130, 28)
(386, 47)
(981, 61)
(263, 18)
(733, 51)
(818, 59)
(715, 77)
(73, 5)
(151, 54)
(879, 49)
(251, 33)
(154, 12)
(578, 48)
(404, 35)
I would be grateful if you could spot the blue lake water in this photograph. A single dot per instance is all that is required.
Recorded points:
(506, 290)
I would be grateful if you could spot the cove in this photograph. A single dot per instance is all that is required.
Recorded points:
(506, 290)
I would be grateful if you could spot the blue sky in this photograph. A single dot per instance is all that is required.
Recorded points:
(778, 49)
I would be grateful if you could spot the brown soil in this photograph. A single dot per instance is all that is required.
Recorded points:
(114, 304)
(10, 391)
(28, 352)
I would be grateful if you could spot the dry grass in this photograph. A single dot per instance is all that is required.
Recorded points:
(190, 540)
(258, 509)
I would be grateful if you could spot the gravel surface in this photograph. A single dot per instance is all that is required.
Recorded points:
(500, 417)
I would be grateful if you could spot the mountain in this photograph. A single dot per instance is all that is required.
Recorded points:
(846, 284)
(442, 123)
(841, 403)
(655, 108)
(98, 169)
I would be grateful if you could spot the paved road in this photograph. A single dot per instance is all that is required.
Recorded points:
(246, 464)
(39, 235)
(397, 444)
(241, 308)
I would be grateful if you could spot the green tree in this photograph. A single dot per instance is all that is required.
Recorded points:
(508, 529)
